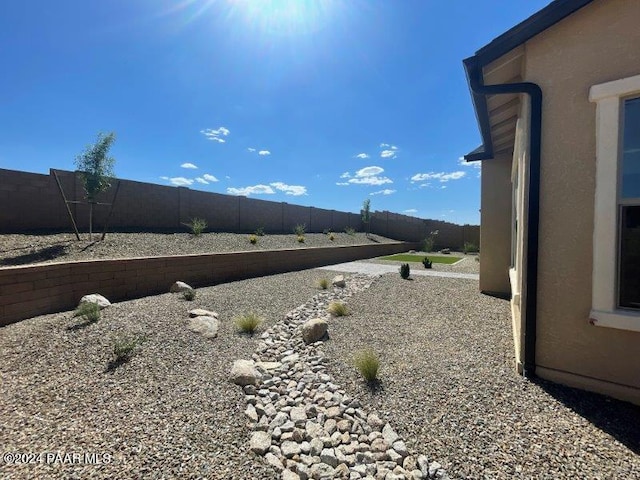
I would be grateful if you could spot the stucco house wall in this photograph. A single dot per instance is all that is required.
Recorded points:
(596, 44)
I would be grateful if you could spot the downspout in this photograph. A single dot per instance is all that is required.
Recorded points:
(535, 137)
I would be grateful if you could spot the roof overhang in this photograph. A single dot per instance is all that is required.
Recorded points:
(502, 62)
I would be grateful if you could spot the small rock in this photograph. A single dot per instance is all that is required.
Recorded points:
(274, 461)
(314, 329)
(409, 463)
(338, 281)
(251, 413)
(244, 373)
(179, 287)
(433, 468)
(389, 434)
(205, 326)
(260, 442)
(289, 449)
(289, 475)
(328, 456)
(298, 414)
(97, 299)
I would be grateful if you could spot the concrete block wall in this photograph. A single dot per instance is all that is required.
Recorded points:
(28, 291)
(30, 201)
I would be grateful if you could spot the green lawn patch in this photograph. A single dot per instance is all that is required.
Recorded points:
(403, 257)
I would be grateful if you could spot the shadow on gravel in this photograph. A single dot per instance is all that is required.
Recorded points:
(80, 326)
(619, 419)
(375, 387)
(40, 255)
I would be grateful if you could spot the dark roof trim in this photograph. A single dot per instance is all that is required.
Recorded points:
(532, 26)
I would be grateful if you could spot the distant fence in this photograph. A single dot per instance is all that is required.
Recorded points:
(31, 201)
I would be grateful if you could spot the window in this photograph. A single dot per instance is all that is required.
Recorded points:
(616, 236)
(629, 208)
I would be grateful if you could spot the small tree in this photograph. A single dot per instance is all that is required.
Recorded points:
(366, 214)
(96, 170)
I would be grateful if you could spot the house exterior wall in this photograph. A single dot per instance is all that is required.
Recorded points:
(495, 226)
(598, 43)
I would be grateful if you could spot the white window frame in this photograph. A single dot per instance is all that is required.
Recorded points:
(609, 98)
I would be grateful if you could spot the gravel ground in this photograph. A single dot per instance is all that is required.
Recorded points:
(18, 249)
(170, 412)
(449, 388)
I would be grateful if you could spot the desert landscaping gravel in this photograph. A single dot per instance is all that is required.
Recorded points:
(20, 249)
(170, 412)
(449, 388)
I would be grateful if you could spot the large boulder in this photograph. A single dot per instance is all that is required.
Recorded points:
(244, 372)
(314, 330)
(179, 287)
(205, 326)
(97, 299)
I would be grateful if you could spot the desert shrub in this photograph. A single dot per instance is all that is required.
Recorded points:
(259, 232)
(350, 231)
(338, 309)
(469, 248)
(367, 363)
(405, 270)
(323, 283)
(124, 348)
(88, 311)
(332, 237)
(253, 239)
(197, 226)
(300, 238)
(429, 243)
(189, 295)
(247, 323)
(426, 262)
(299, 229)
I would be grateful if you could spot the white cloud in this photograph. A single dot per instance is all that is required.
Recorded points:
(209, 178)
(295, 190)
(164, 178)
(384, 145)
(252, 190)
(216, 135)
(372, 180)
(180, 181)
(264, 152)
(441, 176)
(369, 176)
(188, 165)
(345, 175)
(386, 191)
(369, 171)
(202, 180)
(388, 154)
(251, 149)
(362, 155)
(424, 185)
(443, 187)
(410, 210)
(342, 184)
(227, 177)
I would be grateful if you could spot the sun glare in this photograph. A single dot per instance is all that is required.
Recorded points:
(285, 17)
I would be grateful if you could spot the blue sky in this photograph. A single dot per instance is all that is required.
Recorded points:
(323, 103)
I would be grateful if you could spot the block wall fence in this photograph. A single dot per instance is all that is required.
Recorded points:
(29, 291)
(32, 202)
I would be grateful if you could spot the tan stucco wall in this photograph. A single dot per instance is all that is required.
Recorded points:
(495, 225)
(599, 43)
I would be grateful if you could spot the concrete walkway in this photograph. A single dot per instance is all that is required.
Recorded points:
(379, 269)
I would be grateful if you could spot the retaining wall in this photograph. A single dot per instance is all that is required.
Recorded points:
(31, 201)
(29, 291)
